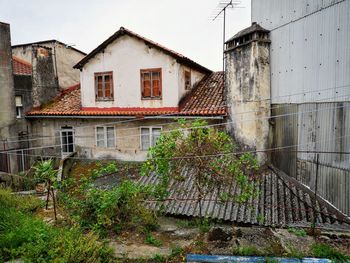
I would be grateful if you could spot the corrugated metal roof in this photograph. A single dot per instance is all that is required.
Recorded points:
(282, 201)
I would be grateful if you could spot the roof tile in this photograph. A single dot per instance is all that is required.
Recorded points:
(206, 99)
(21, 67)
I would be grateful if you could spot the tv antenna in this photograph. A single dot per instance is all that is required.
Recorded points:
(221, 11)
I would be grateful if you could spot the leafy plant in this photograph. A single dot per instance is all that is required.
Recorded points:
(325, 251)
(176, 251)
(109, 210)
(206, 154)
(297, 231)
(44, 172)
(246, 251)
(151, 240)
(24, 236)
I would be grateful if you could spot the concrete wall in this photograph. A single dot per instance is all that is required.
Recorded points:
(127, 134)
(7, 100)
(126, 56)
(65, 57)
(248, 85)
(45, 86)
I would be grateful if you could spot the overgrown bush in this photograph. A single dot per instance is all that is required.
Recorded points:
(325, 251)
(22, 235)
(107, 210)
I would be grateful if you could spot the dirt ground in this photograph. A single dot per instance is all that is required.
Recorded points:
(180, 236)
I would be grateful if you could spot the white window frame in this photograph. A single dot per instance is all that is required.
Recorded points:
(19, 108)
(150, 135)
(105, 136)
(63, 129)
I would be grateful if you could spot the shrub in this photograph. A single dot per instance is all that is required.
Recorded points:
(325, 251)
(151, 240)
(246, 251)
(109, 209)
(297, 231)
(24, 236)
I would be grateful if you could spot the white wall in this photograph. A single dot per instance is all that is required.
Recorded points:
(126, 56)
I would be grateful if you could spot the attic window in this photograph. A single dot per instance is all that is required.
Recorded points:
(187, 80)
(104, 85)
(151, 83)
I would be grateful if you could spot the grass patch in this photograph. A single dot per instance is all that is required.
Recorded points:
(246, 251)
(151, 240)
(325, 251)
(299, 232)
(24, 236)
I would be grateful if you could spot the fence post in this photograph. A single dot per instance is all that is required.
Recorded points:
(315, 194)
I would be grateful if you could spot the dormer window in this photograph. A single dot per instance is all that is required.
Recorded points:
(151, 83)
(187, 80)
(104, 85)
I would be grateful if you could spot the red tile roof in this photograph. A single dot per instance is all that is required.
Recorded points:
(21, 67)
(206, 99)
(124, 31)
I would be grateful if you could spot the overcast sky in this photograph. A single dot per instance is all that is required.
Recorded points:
(182, 25)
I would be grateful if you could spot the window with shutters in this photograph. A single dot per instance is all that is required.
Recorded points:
(104, 85)
(187, 80)
(149, 136)
(151, 83)
(105, 137)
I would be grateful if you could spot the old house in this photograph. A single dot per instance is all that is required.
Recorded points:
(31, 77)
(64, 57)
(131, 89)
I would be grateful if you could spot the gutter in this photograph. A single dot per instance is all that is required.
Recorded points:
(221, 117)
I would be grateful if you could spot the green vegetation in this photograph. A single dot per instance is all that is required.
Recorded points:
(325, 251)
(246, 251)
(25, 236)
(176, 251)
(151, 240)
(297, 231)
(182, 149)
(107, 210)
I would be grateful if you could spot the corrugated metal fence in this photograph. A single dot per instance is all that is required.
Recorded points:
(315, 127)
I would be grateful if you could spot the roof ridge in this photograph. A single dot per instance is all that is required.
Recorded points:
(121, 32)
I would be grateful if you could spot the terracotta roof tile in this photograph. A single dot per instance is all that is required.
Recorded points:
(206, 99)
(21, 67)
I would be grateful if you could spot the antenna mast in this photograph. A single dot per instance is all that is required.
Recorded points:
(221, 9)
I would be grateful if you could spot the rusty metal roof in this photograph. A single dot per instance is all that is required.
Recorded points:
(282, 201)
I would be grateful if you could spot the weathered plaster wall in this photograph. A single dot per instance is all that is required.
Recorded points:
(248, 85)
(65, 57)
(23, 88)
(127, 134)
(45, 86)
(7, 101)
(125, 57)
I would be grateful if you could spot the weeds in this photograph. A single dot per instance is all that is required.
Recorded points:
(299, 232)
(326, 251)
(246, 251)
(151, 240)
(27, 237)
